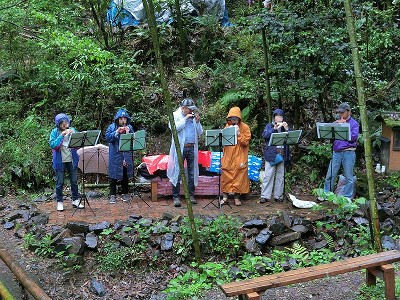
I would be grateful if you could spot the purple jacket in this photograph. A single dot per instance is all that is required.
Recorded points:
(339, 145)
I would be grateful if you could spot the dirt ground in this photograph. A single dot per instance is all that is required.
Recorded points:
(148, 283)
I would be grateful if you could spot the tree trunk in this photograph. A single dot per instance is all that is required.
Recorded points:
(266, 68)
(149, 8)
(182, 36)
(364, 124)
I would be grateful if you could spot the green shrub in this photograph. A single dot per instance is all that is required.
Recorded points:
(25, 155)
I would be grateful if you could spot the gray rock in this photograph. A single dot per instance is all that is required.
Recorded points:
(9, 225)
(145, 222)
(287, 219)
(65, 233)
(388, 243)
(91, 241)
(167, 216)
(382, 213)
(300, 221)
(300, 228)
(252, 246)
(78, 227)
(126, 240)
(118, 225)
(17, 214)
(134, 218)
(97, 288)
(257, 223)
(361, 221)
(396, 207)
(99, 227)
(263, 237)
(174, 228)
(320, 244)
(278, 228)
(167, 242)
(73, 245)
(249, 233)
(285, 238)
(20, 233)
(42, 198)
(387, 226)
(38, 220)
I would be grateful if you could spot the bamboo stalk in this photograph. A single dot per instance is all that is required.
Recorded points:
(28, 283)
(364, 123)
(5, 293)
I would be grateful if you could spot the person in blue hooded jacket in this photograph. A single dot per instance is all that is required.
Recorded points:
(64, 160)
(274, 169)
(120, 164)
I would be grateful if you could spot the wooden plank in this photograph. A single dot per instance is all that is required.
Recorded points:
(263, 283)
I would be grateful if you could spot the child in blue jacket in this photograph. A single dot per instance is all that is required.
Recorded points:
(64, 160)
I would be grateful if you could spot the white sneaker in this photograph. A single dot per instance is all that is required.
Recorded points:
(60, 206)
(76, 204)
(125, 198)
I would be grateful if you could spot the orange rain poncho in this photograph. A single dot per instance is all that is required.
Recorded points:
(234, 176)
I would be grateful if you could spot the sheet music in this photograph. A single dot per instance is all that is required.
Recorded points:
(229, 136)
(284, 138)
(341, 131)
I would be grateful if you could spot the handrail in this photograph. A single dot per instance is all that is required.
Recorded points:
(28, 283)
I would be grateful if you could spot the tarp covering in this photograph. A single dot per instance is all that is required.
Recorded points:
(208, 159)
(123, 13)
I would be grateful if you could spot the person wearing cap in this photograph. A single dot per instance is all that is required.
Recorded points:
(274, 175)
(188, 126)
(234, 162)
(64, 160)
(120, 164)
(344, 154)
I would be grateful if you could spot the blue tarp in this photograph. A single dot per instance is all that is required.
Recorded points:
(254, 164)
(118, 16)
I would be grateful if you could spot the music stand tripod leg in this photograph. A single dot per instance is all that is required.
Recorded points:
(135, 189)
(83, 194)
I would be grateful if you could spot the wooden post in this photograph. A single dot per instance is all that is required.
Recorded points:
(154, 192)
(371, 278)
(389, 277)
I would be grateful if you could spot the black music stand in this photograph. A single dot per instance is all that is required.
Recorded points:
(133, 142)
(333, 131)
(220, 138)
(80, 140)
(282, 139)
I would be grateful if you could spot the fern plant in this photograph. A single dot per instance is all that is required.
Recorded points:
(328, 239)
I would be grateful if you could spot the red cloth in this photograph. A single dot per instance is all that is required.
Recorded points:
(160, 162)
(205, 158)
(156, 162)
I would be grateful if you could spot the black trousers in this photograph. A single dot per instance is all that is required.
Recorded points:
(124, 183)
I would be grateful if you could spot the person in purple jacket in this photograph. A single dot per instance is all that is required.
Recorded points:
(344, 154)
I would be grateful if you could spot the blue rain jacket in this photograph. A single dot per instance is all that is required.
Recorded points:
(115, 157)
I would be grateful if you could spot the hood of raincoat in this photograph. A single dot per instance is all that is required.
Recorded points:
(122, 113)
(235, 112)
(278, 112)
(60, 118)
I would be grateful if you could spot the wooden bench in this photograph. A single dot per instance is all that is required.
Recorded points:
(377, 265)
(207, 186)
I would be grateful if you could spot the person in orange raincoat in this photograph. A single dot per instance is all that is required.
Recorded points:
(234, 176)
